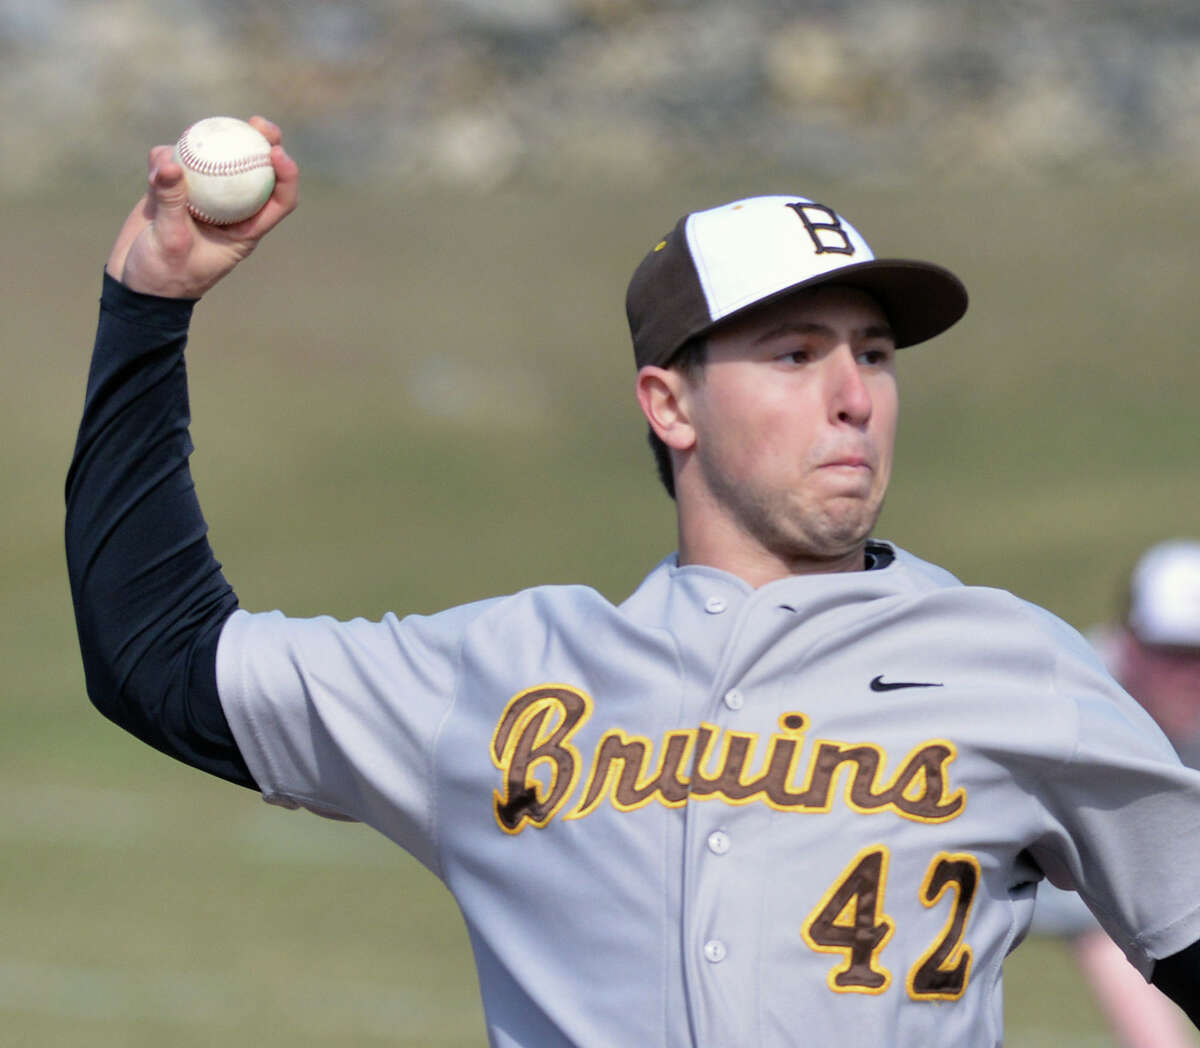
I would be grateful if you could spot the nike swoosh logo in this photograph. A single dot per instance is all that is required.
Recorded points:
(879, 684)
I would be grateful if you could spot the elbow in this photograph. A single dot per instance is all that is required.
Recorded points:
(102, 674)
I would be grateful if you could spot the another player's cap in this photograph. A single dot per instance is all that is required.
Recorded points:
(1164, 595)
(718, 263)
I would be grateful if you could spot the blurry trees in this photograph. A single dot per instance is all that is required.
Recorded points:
(479, 91)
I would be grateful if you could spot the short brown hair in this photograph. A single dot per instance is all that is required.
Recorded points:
(690, 361)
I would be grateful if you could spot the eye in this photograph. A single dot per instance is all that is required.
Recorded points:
(802, 355)
(875, 356)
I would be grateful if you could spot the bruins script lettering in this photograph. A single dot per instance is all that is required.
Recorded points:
(542, 771)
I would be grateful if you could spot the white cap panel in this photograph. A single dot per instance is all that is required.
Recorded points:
(751, 249)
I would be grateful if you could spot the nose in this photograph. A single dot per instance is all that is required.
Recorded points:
(847, 395)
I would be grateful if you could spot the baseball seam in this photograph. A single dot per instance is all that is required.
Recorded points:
(194, 162)
(205, 217)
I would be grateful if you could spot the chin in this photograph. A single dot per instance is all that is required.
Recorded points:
(839, 536)
(822, 546)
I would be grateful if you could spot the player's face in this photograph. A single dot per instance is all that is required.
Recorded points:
(794, 416)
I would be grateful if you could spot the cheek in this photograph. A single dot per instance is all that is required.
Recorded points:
(781, 439)
(739, 421)
(748, 450)
(885, 415)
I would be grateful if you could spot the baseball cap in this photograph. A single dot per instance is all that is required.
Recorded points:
(1164, 595)
(718, 263)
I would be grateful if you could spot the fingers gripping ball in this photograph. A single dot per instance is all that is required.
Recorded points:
(227, 167)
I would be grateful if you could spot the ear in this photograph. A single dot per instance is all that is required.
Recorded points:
(663, 396)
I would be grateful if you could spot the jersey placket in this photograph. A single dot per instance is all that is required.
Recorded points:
(722, 912)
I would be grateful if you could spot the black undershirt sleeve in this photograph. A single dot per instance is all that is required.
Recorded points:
(149, 596)
(1178, 976)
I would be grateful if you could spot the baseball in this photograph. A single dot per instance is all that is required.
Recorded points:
(227, 167)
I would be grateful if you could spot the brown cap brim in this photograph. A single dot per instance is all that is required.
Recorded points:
(920, 299)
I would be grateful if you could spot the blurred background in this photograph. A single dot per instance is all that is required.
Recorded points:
(419, 392)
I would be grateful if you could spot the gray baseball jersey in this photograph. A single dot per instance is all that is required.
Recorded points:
(813, 812)
(1063, 913)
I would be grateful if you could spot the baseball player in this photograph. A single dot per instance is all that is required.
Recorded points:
(1154, 651)
(798, 788)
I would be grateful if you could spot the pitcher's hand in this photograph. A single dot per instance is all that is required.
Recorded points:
(162, 250)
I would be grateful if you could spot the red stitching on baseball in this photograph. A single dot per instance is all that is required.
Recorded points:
(193, 161)
(204, 216)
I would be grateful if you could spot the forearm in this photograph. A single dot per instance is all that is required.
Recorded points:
(149, 595)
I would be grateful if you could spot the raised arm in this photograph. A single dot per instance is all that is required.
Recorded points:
(149, 596)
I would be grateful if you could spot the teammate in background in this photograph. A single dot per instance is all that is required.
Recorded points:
(799, 787)
(1154, 652)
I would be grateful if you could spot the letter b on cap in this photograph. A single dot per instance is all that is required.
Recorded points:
(828, 236)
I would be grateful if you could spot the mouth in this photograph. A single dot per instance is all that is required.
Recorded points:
(847, 462)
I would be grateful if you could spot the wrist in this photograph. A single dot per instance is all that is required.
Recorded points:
(142, 307)
(157, 286)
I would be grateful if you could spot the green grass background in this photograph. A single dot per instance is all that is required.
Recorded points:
(405, 401)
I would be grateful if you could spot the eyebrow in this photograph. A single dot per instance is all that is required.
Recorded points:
(812, 328)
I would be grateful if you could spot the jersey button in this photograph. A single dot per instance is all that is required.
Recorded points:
(734, 699)
(718, 842)
(715, 605)
(714, 951)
